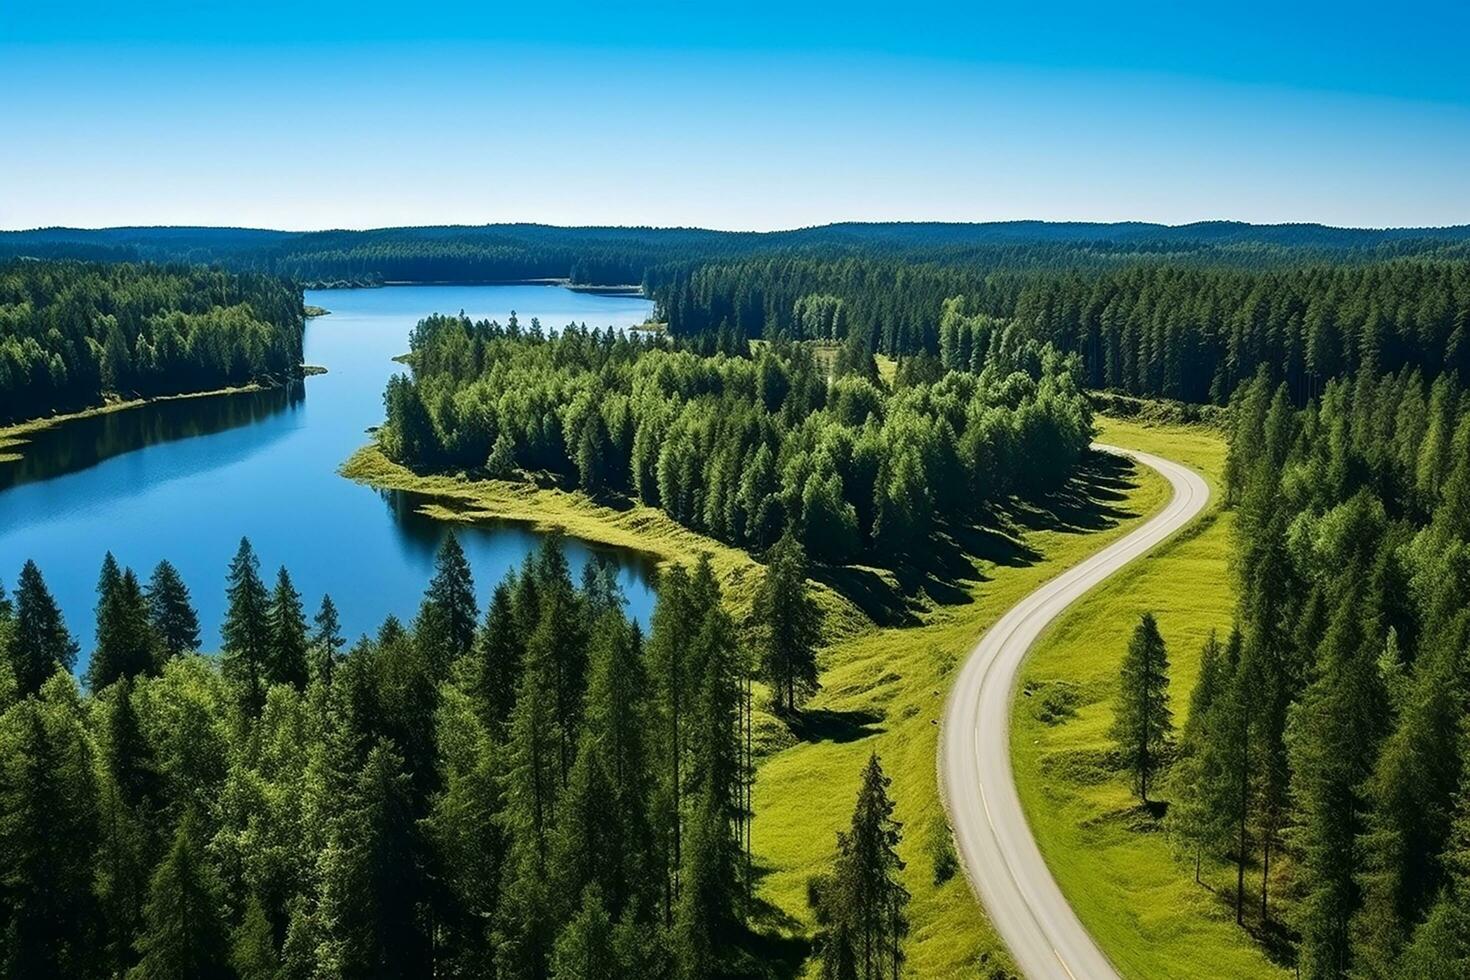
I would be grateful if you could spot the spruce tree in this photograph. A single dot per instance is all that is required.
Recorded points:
(586, 948)
(604, 837)
(48, 835)
(326, 642)
(1192, 818)
(288, 642)
(864, 902)
(1142, 721)
(370, 885)
(39, 642)
(246, 631)
(1336, 730)
(126, 642)
(449, 603)
(184, 933)
(131, 798)
(787, 626)
(170, 611)
(495, 666)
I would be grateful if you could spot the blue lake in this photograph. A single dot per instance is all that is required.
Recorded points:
(184, 480)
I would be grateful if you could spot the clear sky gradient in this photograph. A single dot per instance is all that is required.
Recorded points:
(730, 115)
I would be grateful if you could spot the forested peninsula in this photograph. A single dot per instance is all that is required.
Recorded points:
(76, 335)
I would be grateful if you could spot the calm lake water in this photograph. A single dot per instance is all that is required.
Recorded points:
(184, 480)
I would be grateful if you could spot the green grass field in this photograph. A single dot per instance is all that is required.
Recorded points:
(1114, 864)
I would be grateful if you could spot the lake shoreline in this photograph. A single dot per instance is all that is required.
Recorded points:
(14, 436)
(623, 289)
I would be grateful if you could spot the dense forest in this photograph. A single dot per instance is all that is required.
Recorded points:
(1162, 329)
(745, 448)
(628, 255)
(74, 334)
(539, 791)
(1324, 750)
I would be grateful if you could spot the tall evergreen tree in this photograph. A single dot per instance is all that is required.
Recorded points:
(246, 631)
(184, 934)
(48, 833)
(1142, 722)
(864, 902)
(1191, 817)
(170, 611)
(787, 626)
(450, 609)
(495, 663)
(126, 642)
(326, 642)
(39, 642)
(1336, 731)
(288, 643)
(370, 886)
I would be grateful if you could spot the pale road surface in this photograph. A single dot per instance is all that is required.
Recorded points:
(1000, 857)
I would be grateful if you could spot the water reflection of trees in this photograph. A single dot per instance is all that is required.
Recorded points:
(80, 443)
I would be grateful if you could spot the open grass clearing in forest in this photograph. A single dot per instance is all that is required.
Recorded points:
(1117, 868)
(883, 687)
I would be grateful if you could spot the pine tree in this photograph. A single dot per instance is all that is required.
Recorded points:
(449, 603)
(169, 609)
(39, 642)
(131, 801)
(288, 643)
(585, 950)
(125, 638)
(559, 642)
(370, 882)
(787, 626)
(603, 835)
(184, 933)
(466, 841)
(1142, 721)
(496, 660)
(48, 835)
(246, 631)
(523, 931)
(326, 642)
(864, 902)
(1411, 795)
(253, 947)
(1336, 730)
(1191, 817)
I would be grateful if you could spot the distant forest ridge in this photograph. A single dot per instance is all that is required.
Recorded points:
(624, 255)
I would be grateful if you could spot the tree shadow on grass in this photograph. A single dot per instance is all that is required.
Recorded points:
(950, 562)
(826, 725)
(1089, 502)
(773, 945)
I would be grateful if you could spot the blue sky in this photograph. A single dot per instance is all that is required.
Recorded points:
(751, 115)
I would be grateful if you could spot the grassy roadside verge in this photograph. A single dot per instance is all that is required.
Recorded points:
(883, 688)
(14, 437)
(1114, 865)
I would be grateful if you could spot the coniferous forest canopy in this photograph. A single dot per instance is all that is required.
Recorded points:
(532, 790)
(539, 790)
(74, 334)
(744, 448)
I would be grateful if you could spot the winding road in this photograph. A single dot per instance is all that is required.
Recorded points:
(1001, 859)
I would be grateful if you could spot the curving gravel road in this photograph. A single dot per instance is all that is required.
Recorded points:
(1004, 866)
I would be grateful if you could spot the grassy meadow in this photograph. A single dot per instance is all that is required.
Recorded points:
(1115, 865)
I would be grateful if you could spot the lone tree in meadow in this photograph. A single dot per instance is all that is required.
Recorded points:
(787, 626)
(863, 902)
(1143, 725)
